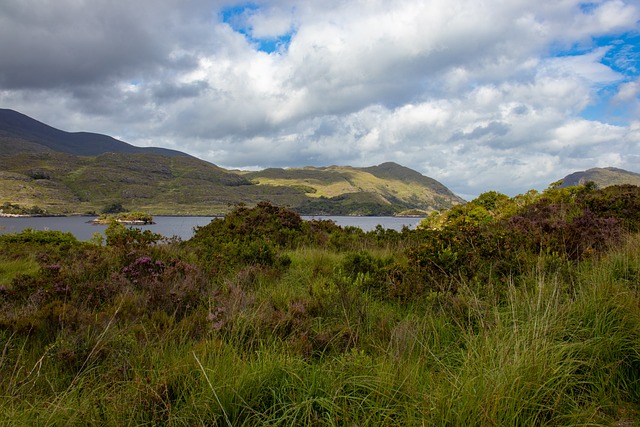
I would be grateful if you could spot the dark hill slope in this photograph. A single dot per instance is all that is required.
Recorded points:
(21, 133)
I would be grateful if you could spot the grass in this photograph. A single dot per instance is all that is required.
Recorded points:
(308, 345)
(10, 268)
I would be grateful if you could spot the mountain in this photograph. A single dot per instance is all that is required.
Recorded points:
(20, 133)
(68, 173)
(65, 183)
(602, 177)
(386, 189)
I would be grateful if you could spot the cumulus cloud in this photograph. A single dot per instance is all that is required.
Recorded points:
(480, 95)
(628, 92)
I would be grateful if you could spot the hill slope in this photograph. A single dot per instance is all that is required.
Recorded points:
(603, 177)
(64, 183)
(337, 189)
(64, 172)
(20, 133)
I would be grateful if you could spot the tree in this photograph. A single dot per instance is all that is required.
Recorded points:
(113, 207)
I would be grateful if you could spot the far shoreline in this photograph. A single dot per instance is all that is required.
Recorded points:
(218, 215)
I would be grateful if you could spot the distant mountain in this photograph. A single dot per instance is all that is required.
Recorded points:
(64, 183)
(67, 173)
(20, 133)
(386, 189)
(603, 177)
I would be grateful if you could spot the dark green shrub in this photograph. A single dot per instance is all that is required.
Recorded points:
(39, 237)
(250, 237)
(454, 254)
(549, 229)
(494, 238)
(384, 278)
(401, 283)
(279, 225)
(39, 173)
(356, 263)
(347, 239)
(113, 208)
(618, 201)
(119, 236)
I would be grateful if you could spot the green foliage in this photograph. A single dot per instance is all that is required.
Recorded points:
(620, 201)
(494, 237)
(119, 236)
(40, 237)
(485, 209)
(113, 208)
(364, 270)
(16, 209)
(513, 311)
(249, 236)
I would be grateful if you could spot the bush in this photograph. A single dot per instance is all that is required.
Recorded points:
(39, 237)
(618, 201)
(119, 236)
(494, 238)
(113, 208)
(250, 236)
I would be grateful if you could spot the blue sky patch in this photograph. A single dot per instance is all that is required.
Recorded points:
(588, 7)
(623, 57)
(607, 112)
(237, 17)
(272, 44)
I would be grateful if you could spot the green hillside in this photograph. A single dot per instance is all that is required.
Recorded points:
(389, 188)
(602, 177)
(65, 173)
(63, 183)
(66, 184)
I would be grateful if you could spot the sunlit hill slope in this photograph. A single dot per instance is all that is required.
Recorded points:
(65, 173)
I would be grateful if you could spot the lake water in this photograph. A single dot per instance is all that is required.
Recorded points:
(181, 226)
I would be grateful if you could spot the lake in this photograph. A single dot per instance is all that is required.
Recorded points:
(180, 226)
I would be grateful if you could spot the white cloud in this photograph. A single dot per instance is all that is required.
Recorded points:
(628, 92)
(470, 93)
(586, 66)
(273, 23)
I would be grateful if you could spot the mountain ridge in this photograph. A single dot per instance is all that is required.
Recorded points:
(15, 127)
(602, 177)
(79, 172)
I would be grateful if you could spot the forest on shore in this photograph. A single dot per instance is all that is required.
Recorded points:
(502, 311)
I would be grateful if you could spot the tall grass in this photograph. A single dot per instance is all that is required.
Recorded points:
(10, 268)
(309, 346)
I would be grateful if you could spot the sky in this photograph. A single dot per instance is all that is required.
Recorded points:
(504, 95)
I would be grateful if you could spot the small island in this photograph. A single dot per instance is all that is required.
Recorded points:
(129, 218)
(12, 210)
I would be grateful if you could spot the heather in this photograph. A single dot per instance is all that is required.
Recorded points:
(501, 311)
